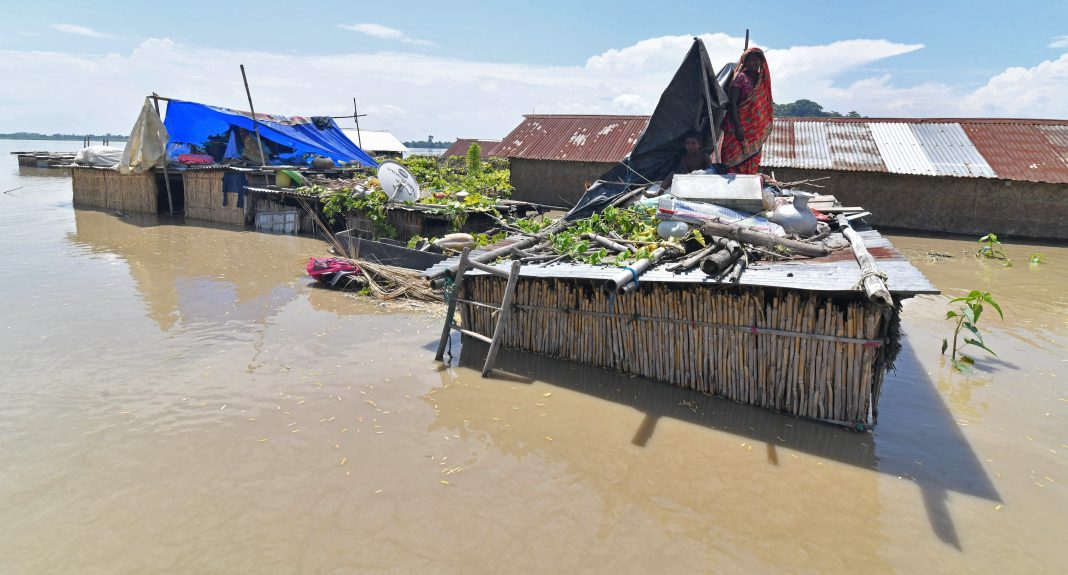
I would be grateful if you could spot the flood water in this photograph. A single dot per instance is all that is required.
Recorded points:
(179, 398)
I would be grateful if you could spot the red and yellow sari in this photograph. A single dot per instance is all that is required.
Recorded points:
(755, 113)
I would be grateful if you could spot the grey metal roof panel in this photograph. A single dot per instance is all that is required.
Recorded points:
(900, 149)
(950, 151)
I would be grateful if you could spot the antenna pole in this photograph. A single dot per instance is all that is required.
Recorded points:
(356, 116)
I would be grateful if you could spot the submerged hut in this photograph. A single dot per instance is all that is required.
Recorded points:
(554, 158)
(201, 160)
(957, 168)
(810, 336)
(219, 151)
(796, 337)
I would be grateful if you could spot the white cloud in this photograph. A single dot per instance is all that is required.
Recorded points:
(1058, 42)
(80, 30)
(413, 95)
(385, 33)
(1036, 91)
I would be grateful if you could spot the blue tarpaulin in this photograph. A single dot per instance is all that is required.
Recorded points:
(290, 140)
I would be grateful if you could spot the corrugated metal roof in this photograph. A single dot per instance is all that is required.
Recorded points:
(1034, 153)
(1012, 149)
(461, 145)
(900, 149)
(950, 151)
(573, 138)
(853, 148)
(812, 149)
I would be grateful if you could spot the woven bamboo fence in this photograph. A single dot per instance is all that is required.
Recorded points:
(204, 198)
(110, 190)
(789, 351)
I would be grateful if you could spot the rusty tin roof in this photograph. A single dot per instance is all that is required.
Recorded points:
(1011, 149)
(461, 145)
(573, 138)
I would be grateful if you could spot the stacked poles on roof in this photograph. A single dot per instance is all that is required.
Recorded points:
(789, 351)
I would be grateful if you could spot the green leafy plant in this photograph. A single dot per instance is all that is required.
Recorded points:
(990, 247)
(1035, 258)
(967, 315)
(474, 159)
(634, 225)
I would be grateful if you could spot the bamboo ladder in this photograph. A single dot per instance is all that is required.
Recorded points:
(503, 312)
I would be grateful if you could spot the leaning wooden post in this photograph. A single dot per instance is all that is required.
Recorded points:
(871, 277)
(502, 319)
(446, 332)
(255, 124)
(166, 158)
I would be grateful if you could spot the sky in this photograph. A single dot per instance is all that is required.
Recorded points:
(472, 69)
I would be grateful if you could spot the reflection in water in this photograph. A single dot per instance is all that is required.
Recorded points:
(194, 273)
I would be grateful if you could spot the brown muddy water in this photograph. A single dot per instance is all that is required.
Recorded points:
(180, 399)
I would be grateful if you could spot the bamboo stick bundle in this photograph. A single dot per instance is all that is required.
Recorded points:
(825, 350)
(854, 380)
(802, 351)
(839, 362)
(799, 368)
(810, 363)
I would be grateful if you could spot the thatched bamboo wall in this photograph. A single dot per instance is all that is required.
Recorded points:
(793, 352)
(204, 198)
(111, 190)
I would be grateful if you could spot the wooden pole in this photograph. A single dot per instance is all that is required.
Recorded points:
(872, 281)
(746, 40)
(749, 236)
(255, 124)
(166, 175)
(446, 331)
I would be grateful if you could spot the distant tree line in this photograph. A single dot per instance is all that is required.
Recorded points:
(809, 109)
(429, 142)
(73, 137)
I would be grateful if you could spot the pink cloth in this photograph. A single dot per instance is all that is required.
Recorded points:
(195, 159)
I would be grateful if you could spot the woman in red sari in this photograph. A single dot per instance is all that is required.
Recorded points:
(748, 121)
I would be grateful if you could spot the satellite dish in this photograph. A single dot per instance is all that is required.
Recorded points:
(398, 182)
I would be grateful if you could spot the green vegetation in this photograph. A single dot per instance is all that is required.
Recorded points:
(635, 225)
(990, 247)
(474, 159)
(808, 109)
(967, 315)
(1035, 258)
(455, 187)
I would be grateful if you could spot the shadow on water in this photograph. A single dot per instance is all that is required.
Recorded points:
(917, 437)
